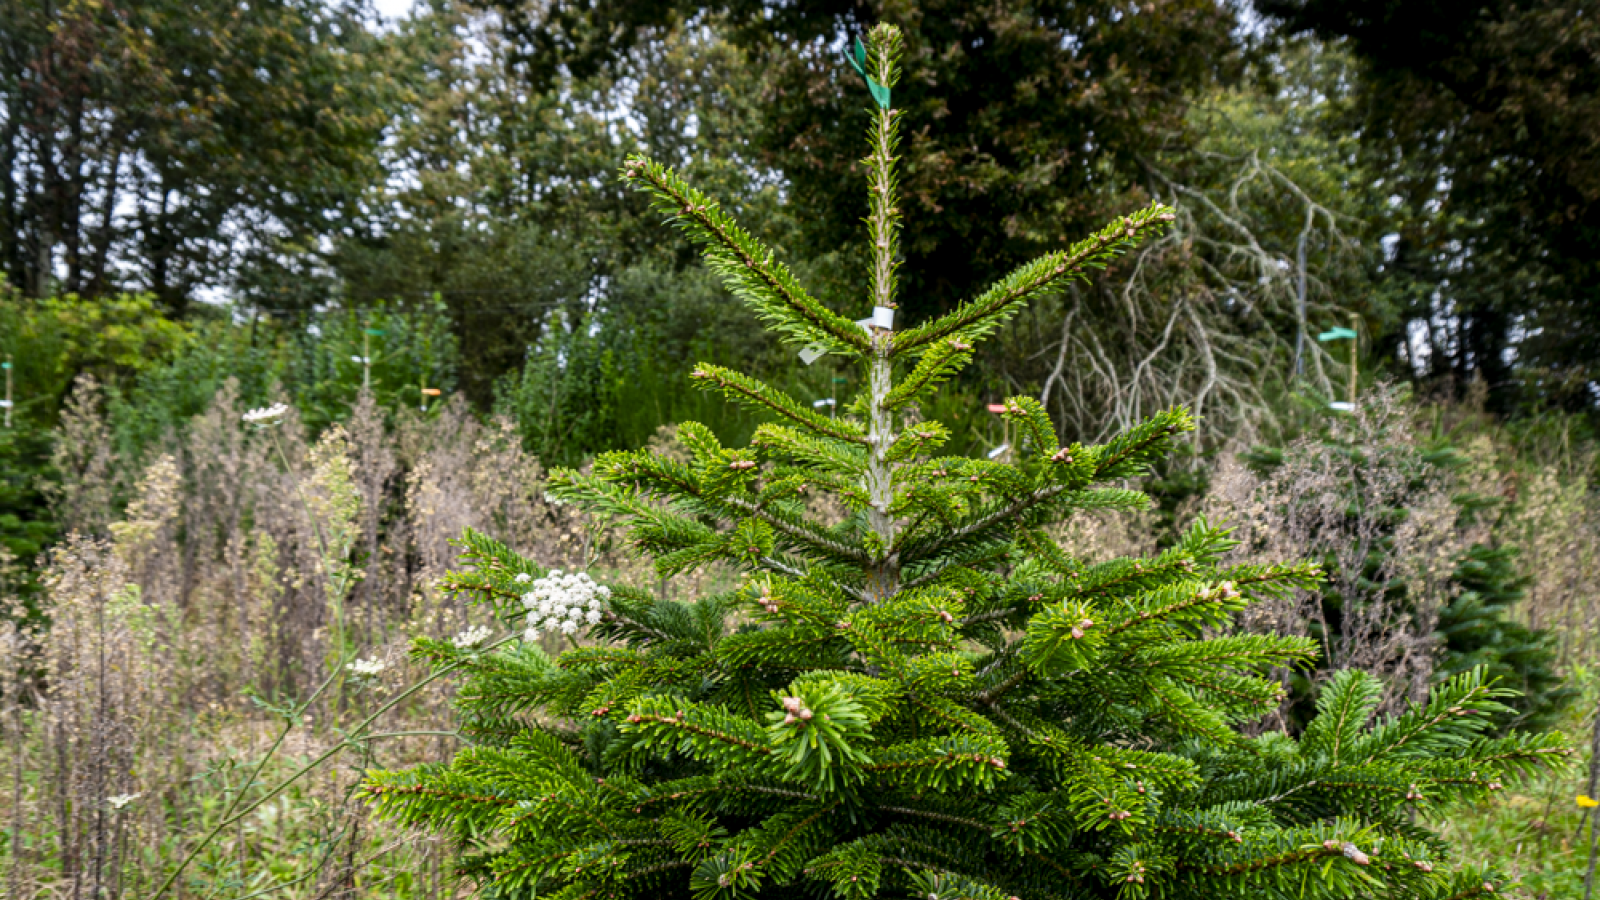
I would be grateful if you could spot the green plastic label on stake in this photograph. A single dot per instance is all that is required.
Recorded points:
(880, 94)
(375, 332)
(1337, 334)
(5, 365)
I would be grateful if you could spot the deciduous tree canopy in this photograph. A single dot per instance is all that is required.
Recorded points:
(1484, 121)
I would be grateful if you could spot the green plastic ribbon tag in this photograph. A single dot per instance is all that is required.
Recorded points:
(1337, 334)
(880, 94)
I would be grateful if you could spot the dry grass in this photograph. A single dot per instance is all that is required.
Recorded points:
(248, 568)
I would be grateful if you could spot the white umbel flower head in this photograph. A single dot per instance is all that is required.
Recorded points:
(118, 801)
(472, 637)
(563, 602)
(367, 668)
(522, 578)
(266, 416)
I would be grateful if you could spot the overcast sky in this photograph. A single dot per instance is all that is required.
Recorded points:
(392, 9)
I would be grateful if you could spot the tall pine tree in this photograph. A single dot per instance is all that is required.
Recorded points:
(929, 698)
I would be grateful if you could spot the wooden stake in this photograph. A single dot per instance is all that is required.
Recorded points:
(1355, 341)
(1594, 788)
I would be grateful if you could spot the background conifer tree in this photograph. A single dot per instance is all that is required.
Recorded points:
(1478, 631)
(929, 698)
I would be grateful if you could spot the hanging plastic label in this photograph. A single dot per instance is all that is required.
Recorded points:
(999, 450)
(880, 94)
(883, 317)
(813, 353)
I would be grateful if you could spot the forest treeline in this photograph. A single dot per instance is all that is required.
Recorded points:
(1434, 174)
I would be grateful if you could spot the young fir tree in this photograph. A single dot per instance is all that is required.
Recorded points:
(929, 699)
(1477, 631)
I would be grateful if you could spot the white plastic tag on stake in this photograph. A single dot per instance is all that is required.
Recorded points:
(813, 353)
(866, 324)
(825, 401)
(883, 317)
(995, 453)
(1342, 406)
(5, 404)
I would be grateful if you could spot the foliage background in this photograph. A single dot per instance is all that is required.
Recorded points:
(207, 225)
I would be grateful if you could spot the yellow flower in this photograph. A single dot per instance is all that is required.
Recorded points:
(1587, 802)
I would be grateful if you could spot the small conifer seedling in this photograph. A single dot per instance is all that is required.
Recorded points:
(929, 698)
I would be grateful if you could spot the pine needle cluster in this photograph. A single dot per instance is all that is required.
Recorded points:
(930, 698)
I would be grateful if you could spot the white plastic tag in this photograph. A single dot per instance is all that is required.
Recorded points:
(813, 353)
(995, 453)
(866, 324)
(825, 401)
(883, 317)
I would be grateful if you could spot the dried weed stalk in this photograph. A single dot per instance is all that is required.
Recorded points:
(249, 566)
(1367, 505)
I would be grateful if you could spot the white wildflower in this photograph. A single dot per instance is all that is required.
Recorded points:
(121, 800)
(367, 668)
(563, 602)
(522, 578)
(472, 637)
(266, 415)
